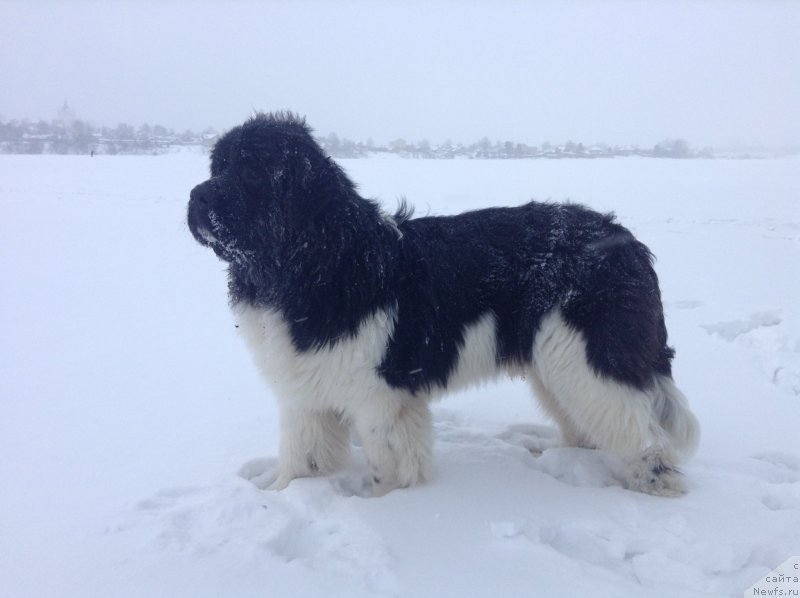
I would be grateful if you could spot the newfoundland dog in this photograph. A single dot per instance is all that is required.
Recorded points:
(359, 319)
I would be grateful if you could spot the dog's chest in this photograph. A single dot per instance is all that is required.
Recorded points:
(321, 376)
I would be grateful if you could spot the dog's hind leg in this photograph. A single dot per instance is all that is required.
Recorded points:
(397, 438)
(571, 436)
(312, 443)
(648, 428)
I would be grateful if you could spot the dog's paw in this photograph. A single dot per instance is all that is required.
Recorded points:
(653, 475)
(382, 487)
(263, 473)
(281, 482)
(353, 485)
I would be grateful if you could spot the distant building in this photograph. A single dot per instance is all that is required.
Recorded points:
(66, 116)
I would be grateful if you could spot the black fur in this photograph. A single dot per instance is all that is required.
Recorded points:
(299, 239)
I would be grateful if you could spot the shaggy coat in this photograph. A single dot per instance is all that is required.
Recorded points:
(359, 319)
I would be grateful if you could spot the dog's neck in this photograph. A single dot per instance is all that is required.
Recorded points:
(341, 262)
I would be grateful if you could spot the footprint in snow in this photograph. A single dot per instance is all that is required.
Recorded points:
(773, 345)
(533, 437)
(167, 497)
(683, 304)
(262, 472)
(733, 329)
(573, 466)
(778, 467)
(299, 539)
(784, 498)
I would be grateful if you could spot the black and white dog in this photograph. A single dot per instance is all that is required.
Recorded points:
(358, 319)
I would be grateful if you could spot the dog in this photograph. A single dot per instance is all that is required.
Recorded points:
(358, 319)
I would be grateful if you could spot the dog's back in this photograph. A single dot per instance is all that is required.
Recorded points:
(519, 264)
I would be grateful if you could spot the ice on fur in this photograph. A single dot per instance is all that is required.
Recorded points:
(359, 319)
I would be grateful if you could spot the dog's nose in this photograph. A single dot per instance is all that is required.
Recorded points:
(201, 195)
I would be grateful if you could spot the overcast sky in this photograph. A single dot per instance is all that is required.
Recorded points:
(620, 72)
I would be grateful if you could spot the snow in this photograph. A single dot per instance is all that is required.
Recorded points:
(134, 428)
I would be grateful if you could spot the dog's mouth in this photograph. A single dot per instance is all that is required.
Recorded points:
(201, 226)
(209, 231)
(205, 236)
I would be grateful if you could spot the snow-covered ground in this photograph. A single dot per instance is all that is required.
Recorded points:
(130, 411)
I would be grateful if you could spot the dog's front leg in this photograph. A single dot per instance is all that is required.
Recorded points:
(312, 443)
(397, 438)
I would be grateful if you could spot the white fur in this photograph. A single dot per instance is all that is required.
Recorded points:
(648, 428)
(677, 419)
(477, 359)
(324, 393)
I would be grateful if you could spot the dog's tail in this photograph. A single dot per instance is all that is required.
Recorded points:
(676, 418)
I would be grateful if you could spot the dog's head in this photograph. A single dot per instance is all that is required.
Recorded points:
(269, 179)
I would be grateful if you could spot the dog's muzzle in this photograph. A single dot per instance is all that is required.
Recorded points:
(199, 213)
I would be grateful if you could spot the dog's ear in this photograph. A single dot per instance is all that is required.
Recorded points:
(316, 184)
(300, 173)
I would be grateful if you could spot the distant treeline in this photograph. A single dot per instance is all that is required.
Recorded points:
(66, 135)
(74, 136)
(487, 149)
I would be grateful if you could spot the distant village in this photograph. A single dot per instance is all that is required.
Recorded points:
(68, 134)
